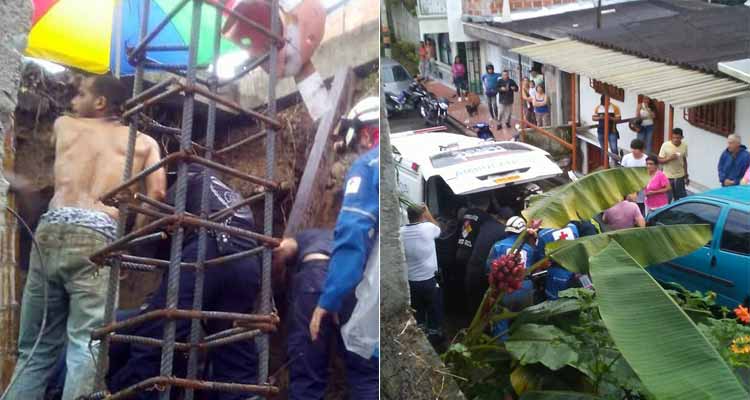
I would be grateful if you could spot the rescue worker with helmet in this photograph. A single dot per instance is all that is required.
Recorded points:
(354, 262)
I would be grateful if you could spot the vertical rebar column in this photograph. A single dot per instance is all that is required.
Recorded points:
(175, 258)
(200, 272)
(114, 271)
(265, 291)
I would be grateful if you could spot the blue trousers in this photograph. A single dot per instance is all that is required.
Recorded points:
(646, 135)
(230, 287)
(308, 368)
(612, 142)
(516, 301)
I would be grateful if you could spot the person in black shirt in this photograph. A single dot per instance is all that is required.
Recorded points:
(470, 222)
(229, 287)
(505, 89)
(475, 282)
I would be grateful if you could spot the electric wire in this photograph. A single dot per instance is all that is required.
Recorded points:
(19, 371)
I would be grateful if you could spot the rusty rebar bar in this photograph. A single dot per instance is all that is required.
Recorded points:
(231, 171)
(235, 256)
(151, 100)
(171, 314)
(228, 103)
(225, 212)
(119, 243)
(107, 197)
(149, 91)
(230, 339)
(146, 341)
(159, 382)
(241, 142)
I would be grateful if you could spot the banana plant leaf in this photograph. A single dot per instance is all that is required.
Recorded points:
(648, 246)
(583, 199)
(557, 395)
(545, 344)
(662, 345)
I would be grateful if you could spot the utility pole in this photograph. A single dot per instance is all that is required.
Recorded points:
(599, 14)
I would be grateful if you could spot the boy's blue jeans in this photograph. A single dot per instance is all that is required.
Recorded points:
(77, 292)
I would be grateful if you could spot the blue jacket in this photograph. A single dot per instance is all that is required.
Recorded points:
(503, 246)
(356, 230)
(733, 167)
(490, 83)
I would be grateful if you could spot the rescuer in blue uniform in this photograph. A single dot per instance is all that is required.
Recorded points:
(524, 296)
(558, 278)
(306, 257)
(356, 229)
(230, 287)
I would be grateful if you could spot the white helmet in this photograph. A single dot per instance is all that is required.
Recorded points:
(366, 112)
(515, 225)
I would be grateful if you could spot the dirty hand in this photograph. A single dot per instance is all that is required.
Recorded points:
(316, 320)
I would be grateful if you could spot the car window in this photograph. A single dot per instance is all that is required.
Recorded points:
(400, 74)
(387, 75)
(689, 213)
(736, 235)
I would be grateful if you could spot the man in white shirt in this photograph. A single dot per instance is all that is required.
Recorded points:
(418, 238)
(636, 158)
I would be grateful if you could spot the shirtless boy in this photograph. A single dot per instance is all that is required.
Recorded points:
(90, 150)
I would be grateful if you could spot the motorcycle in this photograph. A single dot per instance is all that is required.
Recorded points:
(434, 111)
(396, 104)
(408, 99)
(483, 131)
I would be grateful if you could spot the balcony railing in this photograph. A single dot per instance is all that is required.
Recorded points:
(432, 7)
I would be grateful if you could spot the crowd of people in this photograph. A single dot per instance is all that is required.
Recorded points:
(333, 274)
(483, 235)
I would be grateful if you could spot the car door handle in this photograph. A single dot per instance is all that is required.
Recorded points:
(713, 261)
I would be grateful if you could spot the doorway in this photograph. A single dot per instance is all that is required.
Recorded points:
(469, 53)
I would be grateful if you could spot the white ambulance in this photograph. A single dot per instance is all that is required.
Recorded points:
(441, 169)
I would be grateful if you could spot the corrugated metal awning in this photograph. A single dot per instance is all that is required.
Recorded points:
(678, 86)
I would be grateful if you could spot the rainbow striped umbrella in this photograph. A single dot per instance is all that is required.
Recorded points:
(82, 34)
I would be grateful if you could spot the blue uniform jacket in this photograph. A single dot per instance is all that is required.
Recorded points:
(733, 167)
(356, 230)
(498, 249)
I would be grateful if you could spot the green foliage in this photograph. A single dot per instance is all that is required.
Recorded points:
(406, 54)
(647, 246)
(545, 344)
(664, 347)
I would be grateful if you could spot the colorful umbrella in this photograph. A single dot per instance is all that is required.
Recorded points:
(81, 33)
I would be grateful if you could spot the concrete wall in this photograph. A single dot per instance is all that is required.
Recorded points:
(704, 147)
(455, 25)
(433, 25)
(405, 25)
(352, 38)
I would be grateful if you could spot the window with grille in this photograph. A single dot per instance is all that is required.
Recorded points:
(716, 117)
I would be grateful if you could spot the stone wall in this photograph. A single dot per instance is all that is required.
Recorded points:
(15, 17)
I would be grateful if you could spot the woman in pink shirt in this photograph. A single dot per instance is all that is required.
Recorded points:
(658, 186)
(459, 76)
(746, 179)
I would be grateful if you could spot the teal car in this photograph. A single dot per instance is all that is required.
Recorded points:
(723, 264)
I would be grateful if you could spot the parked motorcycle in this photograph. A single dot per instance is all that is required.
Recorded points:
(396, 104)
(483, 131)
(434, 111)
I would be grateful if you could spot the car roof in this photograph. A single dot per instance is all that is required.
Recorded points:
(733, 194)
(385, 62)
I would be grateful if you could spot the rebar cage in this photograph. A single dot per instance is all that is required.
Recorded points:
(176, 219)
